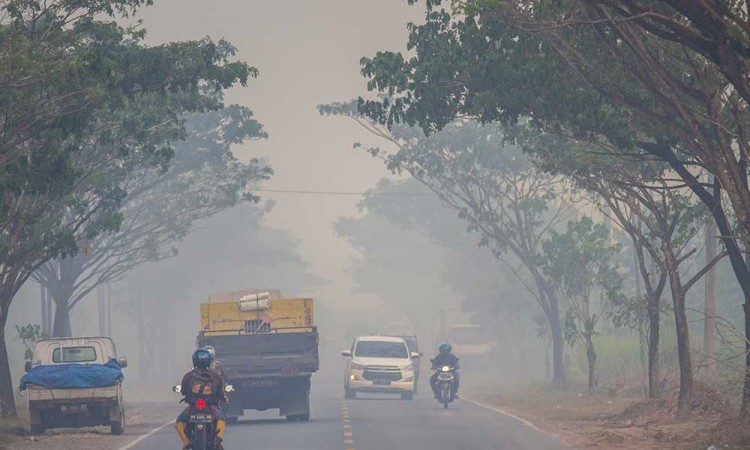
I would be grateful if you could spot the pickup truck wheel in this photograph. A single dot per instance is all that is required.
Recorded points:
(118, 428)
(37, 428)
(350, 393)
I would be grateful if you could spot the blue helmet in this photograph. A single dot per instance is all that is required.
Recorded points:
(202, 358)
(445, 349)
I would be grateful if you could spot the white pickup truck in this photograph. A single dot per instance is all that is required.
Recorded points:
(59, 407)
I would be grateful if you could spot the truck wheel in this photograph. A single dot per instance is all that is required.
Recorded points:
(350, 393)
(298, 417)
(118, 428)
(407, 396)
(37, 428)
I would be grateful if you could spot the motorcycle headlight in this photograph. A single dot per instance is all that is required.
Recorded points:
(446, 369)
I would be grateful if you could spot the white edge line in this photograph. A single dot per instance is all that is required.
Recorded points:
(506, 413)
(143, 437)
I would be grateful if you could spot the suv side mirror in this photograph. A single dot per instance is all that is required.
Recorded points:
(415, 355)
(346, 353)
(123, 362)
(27, 367)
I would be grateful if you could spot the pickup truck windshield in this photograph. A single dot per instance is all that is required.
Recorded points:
(74, 355)
(378, 349)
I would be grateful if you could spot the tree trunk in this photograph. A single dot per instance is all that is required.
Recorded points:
(62, 326)
(558, 349)
(7, 396)
(591, 358)
(551, 308)
(685, 398)
(709, 322)
(653, 345)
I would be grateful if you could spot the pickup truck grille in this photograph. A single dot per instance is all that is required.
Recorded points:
(389, 373)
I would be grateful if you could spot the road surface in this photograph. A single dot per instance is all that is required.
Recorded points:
(373, 422)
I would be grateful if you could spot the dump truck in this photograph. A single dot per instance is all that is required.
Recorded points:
(75, 382)
(268, 346)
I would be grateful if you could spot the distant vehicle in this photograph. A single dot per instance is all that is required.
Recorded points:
(268, 346)
(75, 382)
(380, 364)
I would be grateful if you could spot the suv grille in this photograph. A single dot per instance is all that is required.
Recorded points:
(389, 373)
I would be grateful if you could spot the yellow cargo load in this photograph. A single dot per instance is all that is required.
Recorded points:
(250, 312)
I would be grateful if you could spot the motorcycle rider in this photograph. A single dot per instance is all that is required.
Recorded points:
(216, 365)
(445, 358)
(202, 380)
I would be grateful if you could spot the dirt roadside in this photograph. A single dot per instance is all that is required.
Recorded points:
(608, 421)
(141, 418)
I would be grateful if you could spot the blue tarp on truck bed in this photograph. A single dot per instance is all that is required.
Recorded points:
(70, 376)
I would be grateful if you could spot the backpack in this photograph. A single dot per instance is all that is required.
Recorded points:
(202, 384)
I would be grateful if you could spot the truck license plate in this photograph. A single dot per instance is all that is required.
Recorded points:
(383, 382)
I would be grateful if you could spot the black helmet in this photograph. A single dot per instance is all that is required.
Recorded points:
(202, 358)
(445, 349)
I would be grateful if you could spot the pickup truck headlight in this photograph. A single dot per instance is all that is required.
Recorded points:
(355, 366)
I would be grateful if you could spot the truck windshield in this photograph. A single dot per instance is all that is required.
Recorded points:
(74, 355)
(378, 349)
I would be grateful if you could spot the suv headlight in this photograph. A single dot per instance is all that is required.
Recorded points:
(355, 366)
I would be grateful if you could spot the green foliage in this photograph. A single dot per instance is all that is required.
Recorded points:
(578, 262)
(29, 334)
(85, 102)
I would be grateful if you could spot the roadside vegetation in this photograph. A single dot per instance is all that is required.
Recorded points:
(598, 151)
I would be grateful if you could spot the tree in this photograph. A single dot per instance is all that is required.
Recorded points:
(578, 262)
(493, 187)
(160, 208)
(576, 73)
(67, 78)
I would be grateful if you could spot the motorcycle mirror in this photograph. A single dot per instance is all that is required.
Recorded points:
(177, 388)
(229, 388)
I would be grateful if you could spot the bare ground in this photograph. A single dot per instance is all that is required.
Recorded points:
(140, 419)
(621, 419)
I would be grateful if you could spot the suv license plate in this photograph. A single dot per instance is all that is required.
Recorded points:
(201, 418)
(382, 382)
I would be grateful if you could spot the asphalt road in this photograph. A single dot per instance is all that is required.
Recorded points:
(374, 422)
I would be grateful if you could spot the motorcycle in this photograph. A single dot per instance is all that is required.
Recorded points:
(201, 425)
(446, 382)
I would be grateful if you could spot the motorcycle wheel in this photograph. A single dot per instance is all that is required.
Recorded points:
(446, 397)
(200, 438)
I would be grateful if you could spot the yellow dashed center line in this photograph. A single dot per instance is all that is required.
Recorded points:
(348, 434)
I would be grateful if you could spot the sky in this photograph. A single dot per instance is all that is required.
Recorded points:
(308, 53)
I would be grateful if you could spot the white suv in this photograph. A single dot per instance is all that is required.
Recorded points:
(380, 364)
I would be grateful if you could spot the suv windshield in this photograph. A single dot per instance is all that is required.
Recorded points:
(379, 349)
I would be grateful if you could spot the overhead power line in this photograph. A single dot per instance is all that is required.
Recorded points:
(390, 194)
